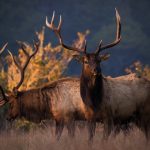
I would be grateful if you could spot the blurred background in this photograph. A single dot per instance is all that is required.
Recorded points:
(19, 20)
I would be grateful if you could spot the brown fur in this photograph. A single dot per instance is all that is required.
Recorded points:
(61, 102)
(51, 102)
(117, 102)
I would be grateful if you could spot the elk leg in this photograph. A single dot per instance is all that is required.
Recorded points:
(59, 128)
(91, 128)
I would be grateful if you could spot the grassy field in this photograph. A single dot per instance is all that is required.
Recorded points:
(44, 139)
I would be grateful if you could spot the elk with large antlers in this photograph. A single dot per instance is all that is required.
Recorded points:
(91, 78)
(117, 102)
(48, 102)
(15, 93)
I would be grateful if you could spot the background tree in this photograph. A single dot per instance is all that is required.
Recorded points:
(49, 64)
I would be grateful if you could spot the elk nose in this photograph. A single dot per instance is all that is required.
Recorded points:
(96, 71)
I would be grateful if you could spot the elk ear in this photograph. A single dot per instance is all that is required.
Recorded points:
(77, 57)
(104, 57)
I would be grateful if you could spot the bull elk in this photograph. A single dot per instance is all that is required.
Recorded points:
(117, 102)
(48, 102)
(15, 94)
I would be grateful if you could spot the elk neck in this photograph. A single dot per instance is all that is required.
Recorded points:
(91, 88)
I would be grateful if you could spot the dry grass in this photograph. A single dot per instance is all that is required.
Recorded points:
(44, 139)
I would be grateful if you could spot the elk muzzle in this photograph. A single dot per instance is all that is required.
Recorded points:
(96, 71)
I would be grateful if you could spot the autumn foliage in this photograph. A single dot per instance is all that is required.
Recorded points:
(139, 69)
(49, 63)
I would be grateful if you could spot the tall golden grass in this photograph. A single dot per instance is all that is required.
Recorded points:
(44, 139)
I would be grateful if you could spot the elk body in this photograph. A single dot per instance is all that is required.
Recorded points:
(117, 102)
(59, 100)
(48, 102)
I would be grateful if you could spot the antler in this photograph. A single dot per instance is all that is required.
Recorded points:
(23, 68)
(4, 99)
(118, 35)
(3, 48)
(58, 34)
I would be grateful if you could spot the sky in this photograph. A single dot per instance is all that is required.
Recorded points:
(21, 19)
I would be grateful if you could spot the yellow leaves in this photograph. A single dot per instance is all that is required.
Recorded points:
(47, 65)
(80, 42)
(40, 35)
(139, 69)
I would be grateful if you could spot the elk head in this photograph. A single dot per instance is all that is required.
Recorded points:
(91, 71)
(90, 61)
(13, 97)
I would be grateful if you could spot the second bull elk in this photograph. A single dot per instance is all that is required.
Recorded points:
(15, 97)
(48, 102)
(117, 102)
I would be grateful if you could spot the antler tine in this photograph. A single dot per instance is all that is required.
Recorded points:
(50, 25)
(57, 31)
(99, 47)
(118, 33)
(3, 48)
(118, 24)
(36, 47)
(85, 45)
(23, 68)
(60, 23)
(14, 60)
(4, 100)
(52, 20)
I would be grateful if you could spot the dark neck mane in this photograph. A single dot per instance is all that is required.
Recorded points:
(91, 90)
